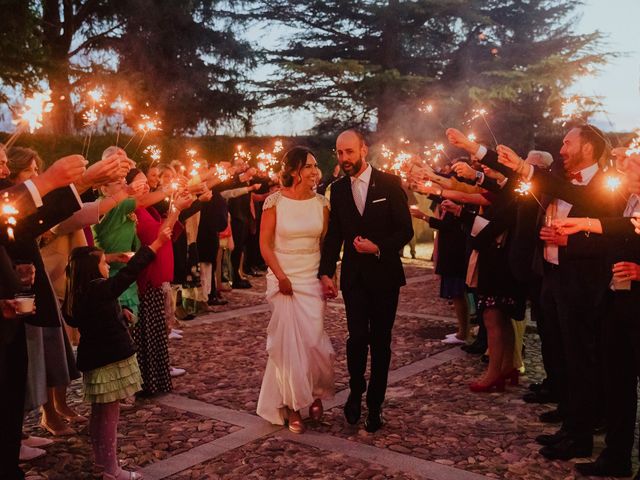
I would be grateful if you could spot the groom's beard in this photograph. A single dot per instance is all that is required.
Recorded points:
(353, 168)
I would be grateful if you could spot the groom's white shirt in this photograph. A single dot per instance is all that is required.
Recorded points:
(362, 182)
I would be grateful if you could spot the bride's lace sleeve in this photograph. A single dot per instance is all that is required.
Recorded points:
(271, 201)
(324, 201)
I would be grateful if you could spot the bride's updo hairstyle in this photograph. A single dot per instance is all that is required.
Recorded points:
(292, 162)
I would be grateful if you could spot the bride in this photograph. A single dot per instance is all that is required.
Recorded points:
(299, 370)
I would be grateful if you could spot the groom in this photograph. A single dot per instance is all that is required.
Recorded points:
(370, 216)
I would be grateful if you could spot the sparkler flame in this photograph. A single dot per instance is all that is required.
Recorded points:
(613, 183)
(34, 108)
(90, 117)
(96, 94)
(149, 124)
(524, 188)
(121, 105)
(154, 152)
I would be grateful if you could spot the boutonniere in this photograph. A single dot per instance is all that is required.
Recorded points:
(132, 216)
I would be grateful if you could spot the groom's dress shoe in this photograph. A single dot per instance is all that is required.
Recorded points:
(352, 409)
(604, 468)
(374, 421)
(568, 448)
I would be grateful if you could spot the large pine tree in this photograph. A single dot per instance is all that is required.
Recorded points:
(354, 62)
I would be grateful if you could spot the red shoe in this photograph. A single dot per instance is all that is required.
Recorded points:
(513, 376)
(495, 386)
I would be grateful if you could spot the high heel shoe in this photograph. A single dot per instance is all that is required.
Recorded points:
(295, 426)
(123, 475)
(316, 410)
(495, 386)
(513, 376)
(63, 432)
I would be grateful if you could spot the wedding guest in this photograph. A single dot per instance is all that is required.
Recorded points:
(150, 332)
(574, 283)
(106, 353)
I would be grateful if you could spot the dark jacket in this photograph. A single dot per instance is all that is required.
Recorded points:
(386, 221)
(104, 335)
(57, 205)
(453, 254)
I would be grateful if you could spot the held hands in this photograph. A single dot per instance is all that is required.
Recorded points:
(625, 271)
(284, 285)
(363, 245)
(206, 196)
(551, 236)
(570, 226)
(329, 289)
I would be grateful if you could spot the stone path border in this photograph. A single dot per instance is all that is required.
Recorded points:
(253, 428)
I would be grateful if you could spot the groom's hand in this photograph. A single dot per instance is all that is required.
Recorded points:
(329, 289)
(363, 245)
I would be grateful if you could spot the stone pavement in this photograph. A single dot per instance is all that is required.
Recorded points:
(436, 429)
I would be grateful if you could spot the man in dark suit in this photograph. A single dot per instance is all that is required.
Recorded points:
(575, 282)
(53, 204)
(370, 216)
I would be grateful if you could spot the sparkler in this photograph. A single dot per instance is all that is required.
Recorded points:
(154, 152)
(31, 117)
(147, 125)
(121, 106)
(481, 112)
(9, 211)
(91, 116)
(524, 189)
(427, 107)
(613, 183)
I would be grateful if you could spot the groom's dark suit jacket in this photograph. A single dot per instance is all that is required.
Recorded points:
(386, 221)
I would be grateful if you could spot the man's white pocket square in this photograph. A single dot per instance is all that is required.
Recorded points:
(380, 200)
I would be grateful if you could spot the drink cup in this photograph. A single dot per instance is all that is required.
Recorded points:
(25, 303)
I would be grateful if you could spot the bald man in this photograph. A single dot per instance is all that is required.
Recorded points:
(370, 217)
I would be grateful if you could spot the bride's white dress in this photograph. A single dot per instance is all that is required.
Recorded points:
(300, 364)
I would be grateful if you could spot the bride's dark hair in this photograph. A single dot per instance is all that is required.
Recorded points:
(292, 162)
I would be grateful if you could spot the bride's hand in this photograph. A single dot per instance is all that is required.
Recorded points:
(285, 286)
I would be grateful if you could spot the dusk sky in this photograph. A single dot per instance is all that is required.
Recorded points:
(618, 82)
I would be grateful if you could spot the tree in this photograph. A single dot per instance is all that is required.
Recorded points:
(184, 59)
(21, 54)
(72, 31)
(378, 60)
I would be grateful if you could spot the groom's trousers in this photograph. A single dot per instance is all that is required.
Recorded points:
(370, 317)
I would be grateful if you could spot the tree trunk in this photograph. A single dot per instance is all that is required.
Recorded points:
(61, 116)
(57, 36)
(390, 48)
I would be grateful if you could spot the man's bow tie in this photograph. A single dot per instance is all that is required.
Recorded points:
(575, 176)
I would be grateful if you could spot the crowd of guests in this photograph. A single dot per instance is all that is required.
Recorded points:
(117, 255)
(561, 236)
(167, 246)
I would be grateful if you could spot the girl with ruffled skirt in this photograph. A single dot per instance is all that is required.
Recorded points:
(106, 354)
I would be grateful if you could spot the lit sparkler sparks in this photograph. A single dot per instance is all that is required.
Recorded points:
(482, 113)
(90, 117)
(524, 189)
(97, 94)
(31, 115)
(277, 147)
(154, 152)
(222, 173)
(613, 183)
(10, 211)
